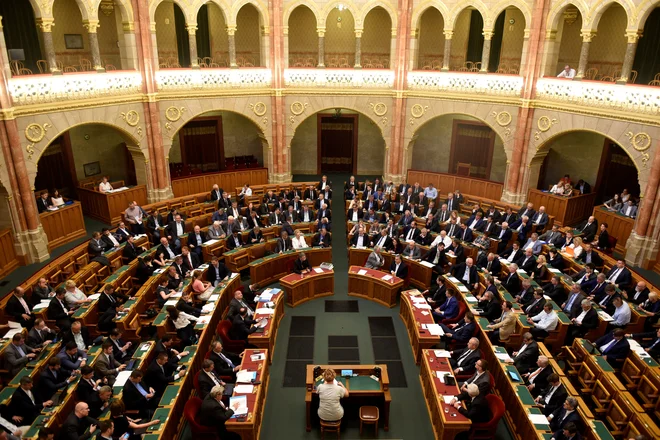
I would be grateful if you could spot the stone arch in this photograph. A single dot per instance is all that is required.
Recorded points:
(521, 5)
(189, 12)
(222, 5)
(350, 6)
(124, 6)
(236, 7)
(293, 6)
(476, 4)
(601, 6)
(642, 13)
(40, 12)
(374, 4)
(420, 10)
(55, 124)
(556, 10)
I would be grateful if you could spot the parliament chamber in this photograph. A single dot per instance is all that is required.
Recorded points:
(284, 219)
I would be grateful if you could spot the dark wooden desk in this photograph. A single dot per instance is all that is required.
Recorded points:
(420, 274)
(618, 226)
(250, 427)
(371, 285)
(266, 339)
(271, 268)
(362, 391)
(566, 210)
(109, 207)
(63, 225)
(304, 287)
(413, 318)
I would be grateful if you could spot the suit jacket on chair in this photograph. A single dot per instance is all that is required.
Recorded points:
(477, 410)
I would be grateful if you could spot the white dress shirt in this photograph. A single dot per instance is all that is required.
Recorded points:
(546, 321)
(621, 315)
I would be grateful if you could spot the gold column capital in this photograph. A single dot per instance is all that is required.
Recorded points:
(91, 26)
(358, 33)
(191, 28)
(46, 24)
(448, 33)
(587, 35)
(128, 27)
(633, 36)
(488, 34)
(320, 31)
(414, 33)
(231, 29)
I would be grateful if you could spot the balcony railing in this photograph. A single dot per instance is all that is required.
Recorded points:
(461, 82)
(339, 78)
(38, 89)
(632, 98)
(209, 79)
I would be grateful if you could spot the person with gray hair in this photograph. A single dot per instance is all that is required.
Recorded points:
(375, 259)
(213, 413)
(581, 324)
(477, 410)
(562, 416)
(464, 360)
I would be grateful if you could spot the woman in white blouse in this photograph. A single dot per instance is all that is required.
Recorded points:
(454, 215)
(298, 241)
(183, 322)
(74, 297)
(56, 199)
(105, 186)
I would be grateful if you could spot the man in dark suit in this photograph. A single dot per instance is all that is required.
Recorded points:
(460, 332)
(174, 230)
(590, 256)
(110, 298)
(154, 221)
(235, 305)
(638, 295)
(589, 229)
(436, 256)
(235, 240)
(619, 275)
(527, 210)
(225, 364)
(537, 378)
(465, 234)
(410, 232)
(573, 304)
(528, 262)
(582, 323)
(525, 357)
(131, 251)
(190, 259)
(463, 360)
(586, 275)
(555, 290)
(565, 414)
(217, 271)
(476, 221)
(138, 396)
(614, 346)
(467, 274)
(240, 328)
(539, 220)
(18, 309)
(513, 254)
(59, 312)
(503, 235)
(25, 404)
(283, 243)
(216, 193)
(301, 264)
(456, 248)
(553, 237)
(42, 202)
(78, 426)
(160, 373)
(165, 248)
(213, 413)
(207, 379)
(195, 240)
(535, 305)
(490, 263)
(523, 226)
(490, 306)
(224, 201)
(255, 236)
(511, 282)
(78, 334)
(553, 396)
(164, 345)
(481, 378)
(40, 336)
(477, 410)
(322, 239)
(53, 379)
(398, 268)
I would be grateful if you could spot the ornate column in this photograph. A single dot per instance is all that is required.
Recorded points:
(358, 48)
(231, 37)
(587, 36)
(393, 48)
(485, 52)
(413, 63)
(446, 55)
(285, 36)
(46, 25)
(265, 47)
(192, 43)
(551, 54)
(628, 60)
(523, 55)
(92, 26)
(321, 33)
(277, 155)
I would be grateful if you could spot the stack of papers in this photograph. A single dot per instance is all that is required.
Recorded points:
(463, 289)
(245, 376)
(213, 298)
(604, 316)
(265, 296)
(441, 375)
(242, 407)
(122, 377)
(170, 302)
(204, 319)
(471, 299)
(421, 305)
(318, 270)
(210, 242)
(94, 296)
(362, 272)
(504, 357)
(441, 353)
(258, 357)
(386, 278)
(264, 311)
(454, 280)
(14, 328)
(435, 329)
(42, 305)
(208, 307)
(538, 419)
(447, 399)
(427, 264)
(243, 389)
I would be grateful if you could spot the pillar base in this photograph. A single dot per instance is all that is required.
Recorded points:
(396, 178)
(279, 178)
(196, 67)
(513, 198)
(233, 66)
(321, 66)
(56, 72)
(99, 69)
(444, 69)
(357, 67)
(578, 78)
(32, 245)
(622, 82)
(158, 195)
(483, 71)
(640, 250)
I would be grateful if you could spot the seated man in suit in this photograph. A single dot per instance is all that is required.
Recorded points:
(586, 278)
(120, 350)
(398, 268)
(652, 347)
(614, 346)
(590, 256)
(544, 322)
(25, 405)
(79, 335)
(110, 298)
(17, 309)
(436, 293)
(535, 305)
(534, 244)
(18, 354)
(525, 357)
(160, 373)
(490, 264)
(619, 275)
(573, 304)
(540, 219)
(581, 324)
(53, 379)
(512, 281)
(562, 416)
(537, 378)
(375, 259)
(234, 241)
(301, 264)
(217, 271)
(165, 345)
(589, 229)
(71, 360)
(241, 326)
(503, 326)
(138, 396)
(283, 243)
(465, 234)
(477, 410)
(480, 378)
(322, 239)
(513, 254)
(460, 332)
(77, 423)
(99, 401)
(467, 273)
(195, 240)
(207, 379)
(40, 336)
(225, 364)
(464, 360)
(553, 396)
(448, 310)
(553, 237)
(456, 249)
(490, 306)
(527, 262)
(105, 366)
(555, 290)
(213, 413)
(131, 251)
(637, 296)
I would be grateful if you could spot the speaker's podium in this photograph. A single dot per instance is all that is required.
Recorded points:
(363, 389)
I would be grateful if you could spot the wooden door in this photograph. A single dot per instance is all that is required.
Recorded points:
(202, 145)
(337, 143)
(615, 162)
(472, 142)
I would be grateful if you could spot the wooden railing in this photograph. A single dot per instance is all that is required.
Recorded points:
(227, 180)
(446, 183)
(567, 210)
(64, 225)
(110, 207)
(618, 226)
(8, 259)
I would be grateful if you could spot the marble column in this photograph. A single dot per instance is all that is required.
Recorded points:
(446, 56)
(192, 43)
(231, 36)
(485, 52)
(358, 48)
(523, 56)
(413, 62)
(628, 60)
(46, 26)
(321, 33)
(587, 36)
(92, 26)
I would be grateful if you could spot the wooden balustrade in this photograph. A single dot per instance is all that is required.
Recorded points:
(566, 210)
(8, 259)
(446, 183)
(109, 207)
(226, 180)
(63, 225)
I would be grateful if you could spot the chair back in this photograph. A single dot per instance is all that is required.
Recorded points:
(462, 309)
(196, 382)
(485, 430)
(190, 411)
(231, 345)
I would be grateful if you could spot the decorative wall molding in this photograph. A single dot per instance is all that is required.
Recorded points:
(40, 89)
(471, 83)
(35, 133)
(645, 100)
(213, 79)
(339, 78)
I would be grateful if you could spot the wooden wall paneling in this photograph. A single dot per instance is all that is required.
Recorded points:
(226, 180)
(64, 225)
(446, 183)
(8, 259)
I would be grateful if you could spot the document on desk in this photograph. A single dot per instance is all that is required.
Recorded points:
(362, 272)
(427, 264)
(242, 405)
(435, 329)
(245, 376)
(42, 305)
(422, 305)
(448, 399)
(264, 311)
(471, 299)
(210, 242)
(441, 375)
(453, 280)
(213, 298)
(204, 319)
(318, 270)
(258, 357)
(604, 316)
(442, 353)
(244, 389)
(463, 289)
(386, 277)
(538, 419)
(94, 296)
(122, 377)
(504, 357)
(170, 302)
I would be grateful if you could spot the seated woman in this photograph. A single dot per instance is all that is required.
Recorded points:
(158, 260)
(568, 190)
(454, 215)
(56, 199)
(145, 269)
(540, 269)
(558, 188)
(614, 204)
(183, 322)
(201, 288)
(163, 293)
(603, 238)
(575, 249)
(298, 241)
(356, 227)
(330, 392)
(126, 425)
(105, 186)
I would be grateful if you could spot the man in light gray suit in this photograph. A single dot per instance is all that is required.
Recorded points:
(412, 251)
(480, 378)
(534, 243)
(375, 259)
(18, 354)
(629, 209)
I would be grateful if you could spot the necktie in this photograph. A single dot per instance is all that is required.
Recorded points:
(488, 266)
(226, 359)
(463, 356)
(20, 350)
(141, 390)
(570, 302)
(550, 393)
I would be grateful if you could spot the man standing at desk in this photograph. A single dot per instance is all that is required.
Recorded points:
(398, 268)
(301, 265)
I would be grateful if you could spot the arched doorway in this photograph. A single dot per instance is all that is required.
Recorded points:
(647, 55)
(340, 38)
(21, 41)
(468, 41)
(215, 141)
(302, 38)
(248, 38)
(565, 41)
(507, 43)
(171, 36)
(376, 39)
(431, 42)
(338, 140)
(443, 142)
(589, 156)
(608, 48)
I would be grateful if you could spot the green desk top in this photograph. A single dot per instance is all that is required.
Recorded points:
(82, 310)
(160, 319)
(38, 423)
(117, 273)
(44, 353)
(339, 379)
(563, 318)
(603, 364)
(151, 437)
(363, 383)
(543, 427)
(601, 430)
(94, 351)
(191, 349)
(649, 361)
(17, 379)
(161, 414)
(498, 349)
(5, 394)
(169, 396)
(524, 395)
(512, 369)
(483, 323)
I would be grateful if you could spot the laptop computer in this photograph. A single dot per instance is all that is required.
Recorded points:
(346, 373)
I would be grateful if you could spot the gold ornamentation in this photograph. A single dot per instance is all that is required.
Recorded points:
(502, 118)
(417, 110)
(173, 114)
(379, 108)
(507, 132)
(107, 7)
(139, 131)
(35, 134)
(132, 118)
(639, 141)
(544, 123)
(30, 151)
(259, 108)
(298, 108)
